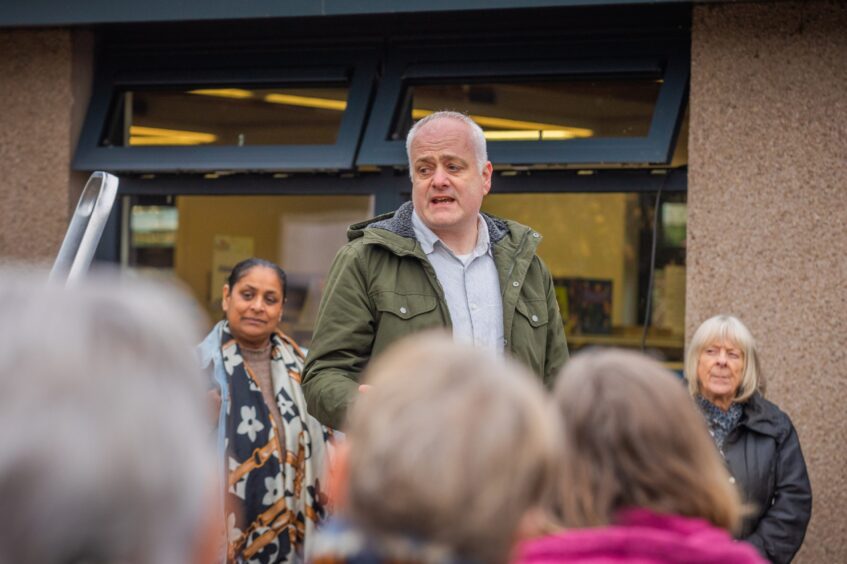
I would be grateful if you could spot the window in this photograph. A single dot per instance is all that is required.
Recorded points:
(553, 110)
(227, 116)
(540, 105)
(598, 250)
(190, 113)
(198, 239)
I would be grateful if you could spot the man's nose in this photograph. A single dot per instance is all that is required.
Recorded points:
(440, 177)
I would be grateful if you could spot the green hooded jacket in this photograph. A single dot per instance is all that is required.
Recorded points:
(381, 287)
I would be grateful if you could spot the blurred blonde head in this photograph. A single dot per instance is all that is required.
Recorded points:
(451, 445)
(105, 453)
(634, 438)
(730, 330)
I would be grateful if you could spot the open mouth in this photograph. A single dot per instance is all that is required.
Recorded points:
(440, 200)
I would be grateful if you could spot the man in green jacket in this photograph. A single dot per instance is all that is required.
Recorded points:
(434, 262)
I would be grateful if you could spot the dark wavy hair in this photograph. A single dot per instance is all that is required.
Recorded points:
(245, 266)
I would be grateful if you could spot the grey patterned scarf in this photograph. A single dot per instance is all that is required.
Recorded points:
(721, 423)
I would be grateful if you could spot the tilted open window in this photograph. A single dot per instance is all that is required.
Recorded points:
(542, 104)
(294, 110)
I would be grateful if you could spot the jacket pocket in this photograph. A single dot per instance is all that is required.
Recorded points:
(533, 311)
(529, 333)
(404, 306)
(399, 315)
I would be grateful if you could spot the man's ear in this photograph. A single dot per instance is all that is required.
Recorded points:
(487, 171)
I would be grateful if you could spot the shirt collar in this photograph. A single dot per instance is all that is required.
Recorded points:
(427, 237)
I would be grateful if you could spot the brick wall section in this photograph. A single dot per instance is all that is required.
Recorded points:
(767, 231)
(35, 142)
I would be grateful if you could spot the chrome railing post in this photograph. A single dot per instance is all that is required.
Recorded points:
(86, 227)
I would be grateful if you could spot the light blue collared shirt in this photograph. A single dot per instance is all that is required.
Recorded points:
(471, 286)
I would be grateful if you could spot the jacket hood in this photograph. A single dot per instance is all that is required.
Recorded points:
(399, 222)
(764, 417)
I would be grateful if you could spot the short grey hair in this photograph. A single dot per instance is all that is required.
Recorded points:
(105, 437)
(452, 446)
(477, 136)
(725, 328)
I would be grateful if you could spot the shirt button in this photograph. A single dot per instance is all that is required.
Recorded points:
(536, 235)
(516, 284)
(535, 318)
(402, 310)
(473, 307)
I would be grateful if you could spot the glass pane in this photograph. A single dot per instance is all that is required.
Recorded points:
(227, 116)
(597, 247)
(152, 234)
(550, 110)
(213, 233)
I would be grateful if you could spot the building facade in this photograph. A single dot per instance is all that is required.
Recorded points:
(714, 131)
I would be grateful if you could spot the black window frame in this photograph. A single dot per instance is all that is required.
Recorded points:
(669, 58)
(355, 67)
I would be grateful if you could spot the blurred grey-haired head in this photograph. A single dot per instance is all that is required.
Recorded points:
(105, 449)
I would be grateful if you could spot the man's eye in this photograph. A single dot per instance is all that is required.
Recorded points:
(454, 168)
(423, 171)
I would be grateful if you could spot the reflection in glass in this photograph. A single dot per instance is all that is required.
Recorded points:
(227, 116)
(550, 110)
(301, 233)
(597, 247)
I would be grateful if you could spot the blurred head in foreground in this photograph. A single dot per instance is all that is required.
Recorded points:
(633, 438)
(451, 446)
(104, 449)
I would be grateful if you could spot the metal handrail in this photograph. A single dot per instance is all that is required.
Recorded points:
(86, 227)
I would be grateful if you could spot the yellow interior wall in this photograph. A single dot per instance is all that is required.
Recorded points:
(585, 235)
(203, 217)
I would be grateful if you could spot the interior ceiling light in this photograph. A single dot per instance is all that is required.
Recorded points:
(506, 129)
(141, 135)
(530, 135)
(276, 98)
(522, 130)
(237, 93)
(307, 101)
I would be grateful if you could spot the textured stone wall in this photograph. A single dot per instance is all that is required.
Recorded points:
(767, 231)
(35, 142)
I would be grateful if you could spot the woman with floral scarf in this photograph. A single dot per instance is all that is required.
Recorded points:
(273, 451)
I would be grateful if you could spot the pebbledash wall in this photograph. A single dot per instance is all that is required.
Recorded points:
(767, 218)
(767, 199)
(35, 142)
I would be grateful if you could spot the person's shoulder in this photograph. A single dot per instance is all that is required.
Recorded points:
(766, 417)
(209, 346)
(502, 230)
(644, 535)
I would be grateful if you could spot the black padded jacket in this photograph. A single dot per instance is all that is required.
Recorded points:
(764, 457)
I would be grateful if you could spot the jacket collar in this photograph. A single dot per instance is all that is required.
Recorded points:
(399, 222)
(762, 416)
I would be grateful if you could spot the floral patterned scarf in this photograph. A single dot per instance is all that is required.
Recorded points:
(274, 498)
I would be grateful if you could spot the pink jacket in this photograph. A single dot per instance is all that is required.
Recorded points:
(641, 536)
